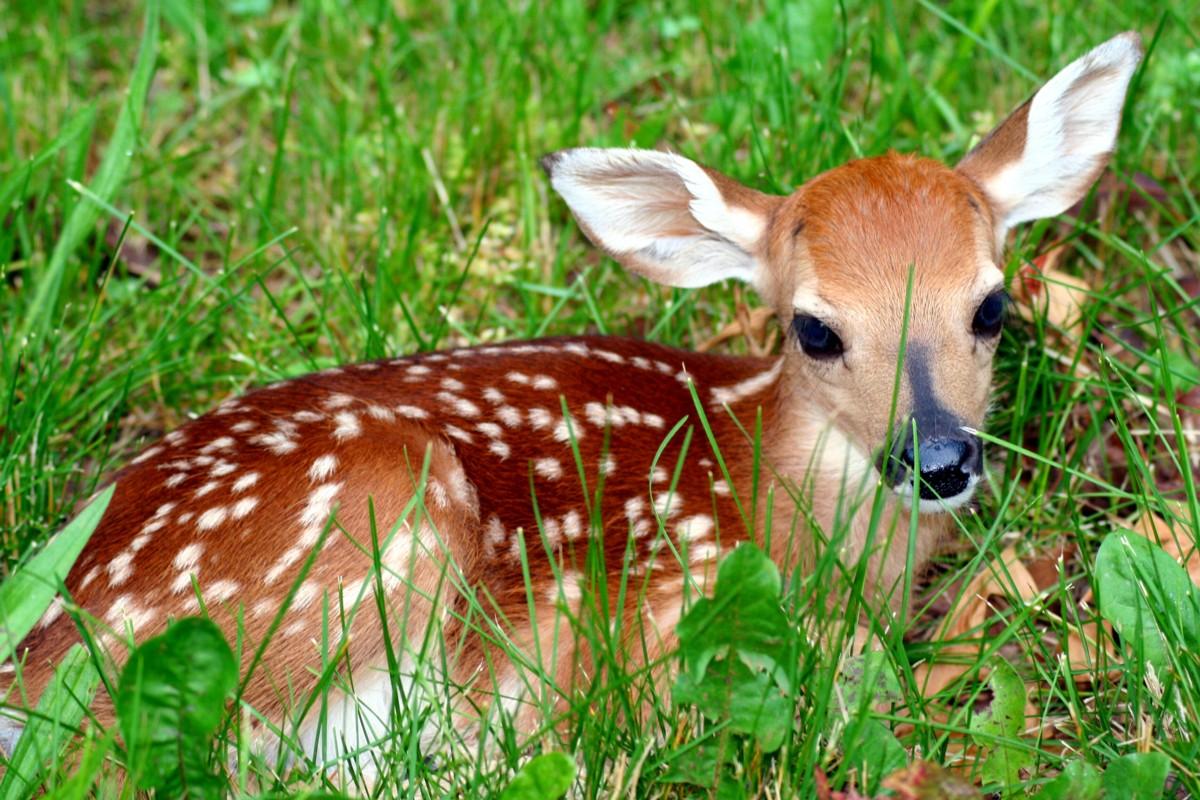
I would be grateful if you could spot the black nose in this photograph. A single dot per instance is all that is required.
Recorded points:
(948, 463)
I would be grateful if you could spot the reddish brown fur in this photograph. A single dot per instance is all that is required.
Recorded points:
(382, 464)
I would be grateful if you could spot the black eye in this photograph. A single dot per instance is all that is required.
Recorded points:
(989, 317)
(815, 337)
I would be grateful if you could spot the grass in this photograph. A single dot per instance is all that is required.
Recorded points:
(322, 182)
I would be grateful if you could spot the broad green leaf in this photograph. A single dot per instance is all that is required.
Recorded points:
(750, 699)
(170, 701)
(114, 164)
(1001, 723)
(1137, 776)
(875, 751)
(28, 592)
(545, 777)
(700, 765)
(744, 616)
(59, 712)
(1079, 780)
(869, 679)
(1147, 596)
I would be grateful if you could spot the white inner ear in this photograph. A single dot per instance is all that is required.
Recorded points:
(1072, 127)
(660, 214)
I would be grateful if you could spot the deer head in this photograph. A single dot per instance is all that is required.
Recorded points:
(886, 272)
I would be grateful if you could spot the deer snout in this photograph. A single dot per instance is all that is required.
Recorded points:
(949, 464)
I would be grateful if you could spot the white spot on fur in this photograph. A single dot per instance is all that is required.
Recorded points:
(125, 611)
(567, 429)
(337, 401)
(305, 595)
(490, 430)
(461, 405)
(458, 433)
(52, 613)
(222, 468)
(572, 525)
(518, 377)
(453, 384)
(544, 382)
(187, 558)
(610, 356)
(277, 442)
(322, 468)
(509, 416)
(499, 448)
(243, 426)
(174, 480)
(540, 418)
(694, 528)
(223, 443)
(548, 468)
(412, 412)
(731, 394)
(244, 506)
(494, 395)
(147, 454)
(206, 488)
(317, 509)
(380, 413)
(668, 505)
(348, 426)
(212, 518)
(154, 525)
(120, 568)
(418, 369)
(245, 482)
(88, 577)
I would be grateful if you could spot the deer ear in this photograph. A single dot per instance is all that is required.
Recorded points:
(663, 216)
(1047, 154)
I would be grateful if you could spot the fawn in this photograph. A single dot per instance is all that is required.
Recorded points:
(433, 464)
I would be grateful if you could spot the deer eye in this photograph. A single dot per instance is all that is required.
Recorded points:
(815, 337)
(989, 317)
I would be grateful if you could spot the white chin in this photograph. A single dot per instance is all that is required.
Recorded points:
(940, 505)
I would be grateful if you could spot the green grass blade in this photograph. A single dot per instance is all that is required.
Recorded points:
(25, 595)
(59, 712)
(108, 178)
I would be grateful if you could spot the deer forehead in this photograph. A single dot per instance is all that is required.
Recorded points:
(857, 230)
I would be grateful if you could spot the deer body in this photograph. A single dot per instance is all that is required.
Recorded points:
(460, 473)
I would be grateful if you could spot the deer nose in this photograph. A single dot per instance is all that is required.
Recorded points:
(948, 463)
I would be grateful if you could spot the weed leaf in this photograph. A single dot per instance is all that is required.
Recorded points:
(750, 699)
(545, 777)
(1137, 776)
(743, 616)
(1146, 596)
(170, 700)
(1079, 780)
(26, 595)
(1003, 722)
